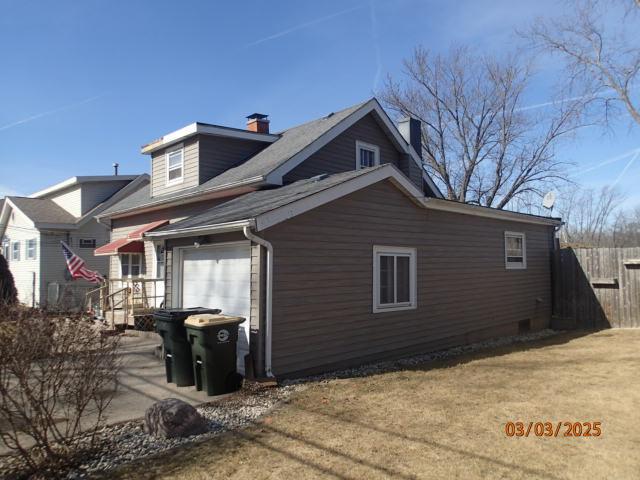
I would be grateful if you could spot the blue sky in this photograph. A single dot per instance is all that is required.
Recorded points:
(84, 83)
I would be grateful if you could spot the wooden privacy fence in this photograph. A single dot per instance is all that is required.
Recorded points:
(599, 287)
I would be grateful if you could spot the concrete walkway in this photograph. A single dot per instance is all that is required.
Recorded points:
(143, 381)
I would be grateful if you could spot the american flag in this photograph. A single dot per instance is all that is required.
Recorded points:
(77, 268)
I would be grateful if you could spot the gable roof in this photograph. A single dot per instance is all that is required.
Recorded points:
(265, 208)
(42, 210)
(268, 166)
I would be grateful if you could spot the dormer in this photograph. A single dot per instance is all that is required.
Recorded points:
(191, 156)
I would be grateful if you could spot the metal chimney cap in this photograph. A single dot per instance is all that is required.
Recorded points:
(257, 116)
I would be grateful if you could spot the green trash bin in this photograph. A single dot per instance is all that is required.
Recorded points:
(213, 340)
(177, 351)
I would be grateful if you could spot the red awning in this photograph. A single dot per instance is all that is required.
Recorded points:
(122, 245)
(137, 234)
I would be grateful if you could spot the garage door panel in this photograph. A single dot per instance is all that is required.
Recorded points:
(220, 277)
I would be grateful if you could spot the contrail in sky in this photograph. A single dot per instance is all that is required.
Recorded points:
(624, 170)
(610, 160)
(303, 25)
(50, 112)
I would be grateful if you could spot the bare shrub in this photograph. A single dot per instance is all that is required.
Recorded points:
(57, 377)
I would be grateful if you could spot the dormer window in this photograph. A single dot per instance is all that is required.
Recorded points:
(175, 165)
(367, 155)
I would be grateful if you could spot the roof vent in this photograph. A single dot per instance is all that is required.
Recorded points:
(330, 115)
(317, 178)
(258, 122)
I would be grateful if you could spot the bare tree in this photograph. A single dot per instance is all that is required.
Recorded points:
(626, 228)
(599, 44)
(588, 215)
(57, 377)
(482, 143)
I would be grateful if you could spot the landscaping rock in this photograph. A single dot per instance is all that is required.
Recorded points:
(171, 418)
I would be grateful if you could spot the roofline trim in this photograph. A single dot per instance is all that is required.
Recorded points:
(202, 230)
(178, 200)
(205, 129)
(334, 192)
(276, 175)
(69, 182)
(488, 212)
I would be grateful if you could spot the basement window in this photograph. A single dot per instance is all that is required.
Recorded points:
(394, 278)
(515, 250)
(175, 165)
(367, 155)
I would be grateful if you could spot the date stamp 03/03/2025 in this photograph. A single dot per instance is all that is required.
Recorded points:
(561, 429)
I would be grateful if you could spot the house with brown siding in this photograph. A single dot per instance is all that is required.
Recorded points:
(331, 239)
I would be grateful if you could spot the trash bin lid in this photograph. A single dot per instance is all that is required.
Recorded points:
(209, 320)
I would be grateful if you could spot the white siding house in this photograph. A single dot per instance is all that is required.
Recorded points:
(33, 227)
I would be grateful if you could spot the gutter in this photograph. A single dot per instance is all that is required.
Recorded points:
(268, 320)
(201, 230)
(253, 183)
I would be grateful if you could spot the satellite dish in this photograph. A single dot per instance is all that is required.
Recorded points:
(549, 200)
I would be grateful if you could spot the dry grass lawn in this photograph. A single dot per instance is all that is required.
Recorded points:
(443, 420)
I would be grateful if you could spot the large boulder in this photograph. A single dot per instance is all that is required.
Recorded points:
(170, 418)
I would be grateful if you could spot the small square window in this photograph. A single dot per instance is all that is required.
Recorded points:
(130, 265)
(367, 155)
(87, 243)
(394, 278)
(31, 249)
(515, 250)
(175, 165)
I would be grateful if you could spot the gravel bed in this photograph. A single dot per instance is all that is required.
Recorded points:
(394, 365)
(123, 443)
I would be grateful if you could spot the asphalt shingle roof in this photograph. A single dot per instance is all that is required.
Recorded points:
(40, 210)
(253, 204)
(290, 143)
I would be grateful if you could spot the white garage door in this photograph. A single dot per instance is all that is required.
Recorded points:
(219, 277)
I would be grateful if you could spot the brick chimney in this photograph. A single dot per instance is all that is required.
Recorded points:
(258, 122)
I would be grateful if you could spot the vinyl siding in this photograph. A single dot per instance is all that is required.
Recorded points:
(25, 272)
(323, 271)
(340, 154)
(121, 227)
(190, 165)
(218, 154)
(94, 193)
(70, 199)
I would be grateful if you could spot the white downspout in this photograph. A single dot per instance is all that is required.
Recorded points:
(261, 241)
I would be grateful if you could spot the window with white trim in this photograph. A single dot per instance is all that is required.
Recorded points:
(515, 250)
(6, 249)
(394, 278)
(367, 155)
(159, 261)
(130, 264)
(31, 249)
(15, 251)
(87, 243)
(175, 165)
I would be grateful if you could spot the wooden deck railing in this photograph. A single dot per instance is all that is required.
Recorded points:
(126, 298)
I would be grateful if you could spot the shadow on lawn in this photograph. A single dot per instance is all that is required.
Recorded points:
(400, 364)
